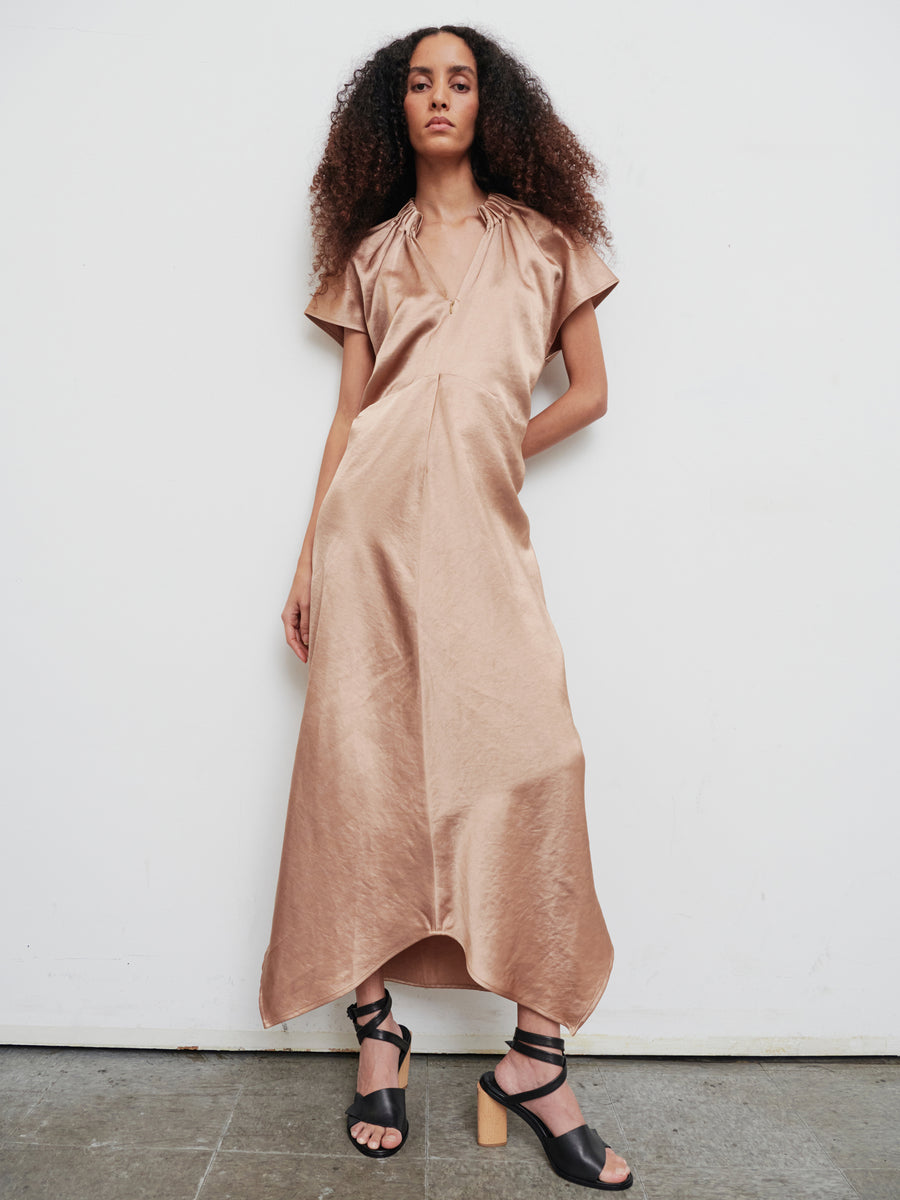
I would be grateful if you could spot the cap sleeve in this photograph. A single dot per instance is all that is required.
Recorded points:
(341, 306)
(583, 276)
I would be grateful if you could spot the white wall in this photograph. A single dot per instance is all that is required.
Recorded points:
(720, 552)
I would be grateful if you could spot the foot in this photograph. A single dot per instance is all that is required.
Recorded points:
(559, 1110)
(378, 1068)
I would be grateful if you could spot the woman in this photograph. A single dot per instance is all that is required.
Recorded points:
(436, 831)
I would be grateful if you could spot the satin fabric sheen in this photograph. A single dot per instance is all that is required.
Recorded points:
(436, 820)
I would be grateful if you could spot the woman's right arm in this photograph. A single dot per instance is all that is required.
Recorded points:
(356, 369)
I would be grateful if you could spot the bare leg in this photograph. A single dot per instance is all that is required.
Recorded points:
(559, 1111)
(377, 1065)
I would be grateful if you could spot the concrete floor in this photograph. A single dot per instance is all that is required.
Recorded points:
(134, 1124)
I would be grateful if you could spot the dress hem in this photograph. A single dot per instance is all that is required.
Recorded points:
(476, 985)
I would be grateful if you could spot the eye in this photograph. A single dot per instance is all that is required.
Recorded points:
(419, 85)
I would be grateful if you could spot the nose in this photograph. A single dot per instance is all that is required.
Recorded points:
(438, 96)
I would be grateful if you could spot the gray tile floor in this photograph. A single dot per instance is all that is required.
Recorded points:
(170, 1125)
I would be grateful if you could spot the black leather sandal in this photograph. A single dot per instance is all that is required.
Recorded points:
(384, 1106)
(578, 1155)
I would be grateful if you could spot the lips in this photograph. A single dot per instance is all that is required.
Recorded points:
(439, 121)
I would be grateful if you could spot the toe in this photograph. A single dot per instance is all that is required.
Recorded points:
(361, 1131)
(375, 1135)
(615, 1168)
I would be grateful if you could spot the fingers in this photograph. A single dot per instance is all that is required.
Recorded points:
(295, 616)
(296, 635)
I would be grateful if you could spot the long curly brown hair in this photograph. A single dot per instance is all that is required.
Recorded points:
(521, 149)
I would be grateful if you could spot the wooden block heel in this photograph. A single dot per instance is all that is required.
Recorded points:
(491, 1120)
(403, 1078)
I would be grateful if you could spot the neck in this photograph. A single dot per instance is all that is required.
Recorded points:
(446, 192)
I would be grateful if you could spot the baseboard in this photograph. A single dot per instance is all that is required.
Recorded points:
(594, 1044)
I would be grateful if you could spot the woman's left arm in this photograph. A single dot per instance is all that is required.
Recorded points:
(585, 399)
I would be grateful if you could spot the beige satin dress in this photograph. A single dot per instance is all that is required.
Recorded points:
(436, 820)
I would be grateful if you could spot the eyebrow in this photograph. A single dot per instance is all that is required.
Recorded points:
(453, 70)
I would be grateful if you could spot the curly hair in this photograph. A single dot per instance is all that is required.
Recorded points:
(521, 149)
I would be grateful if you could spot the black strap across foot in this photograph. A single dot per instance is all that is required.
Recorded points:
(386, 1106)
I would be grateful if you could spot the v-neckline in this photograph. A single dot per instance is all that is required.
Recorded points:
(475, 262)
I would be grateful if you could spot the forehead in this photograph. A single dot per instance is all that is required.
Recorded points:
(442, 50)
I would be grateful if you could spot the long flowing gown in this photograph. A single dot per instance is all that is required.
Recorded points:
(436, 822)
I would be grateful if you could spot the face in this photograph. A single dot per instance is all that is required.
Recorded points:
(441, 101)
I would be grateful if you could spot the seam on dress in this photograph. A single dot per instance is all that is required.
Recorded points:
(425, 788)
(475, 383)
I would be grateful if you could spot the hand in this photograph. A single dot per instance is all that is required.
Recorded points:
(295, 616)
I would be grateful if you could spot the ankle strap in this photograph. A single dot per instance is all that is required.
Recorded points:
(357, 1010)
(540, 1039)
(557, 1060)
(371, 1030)
(520, 1043)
